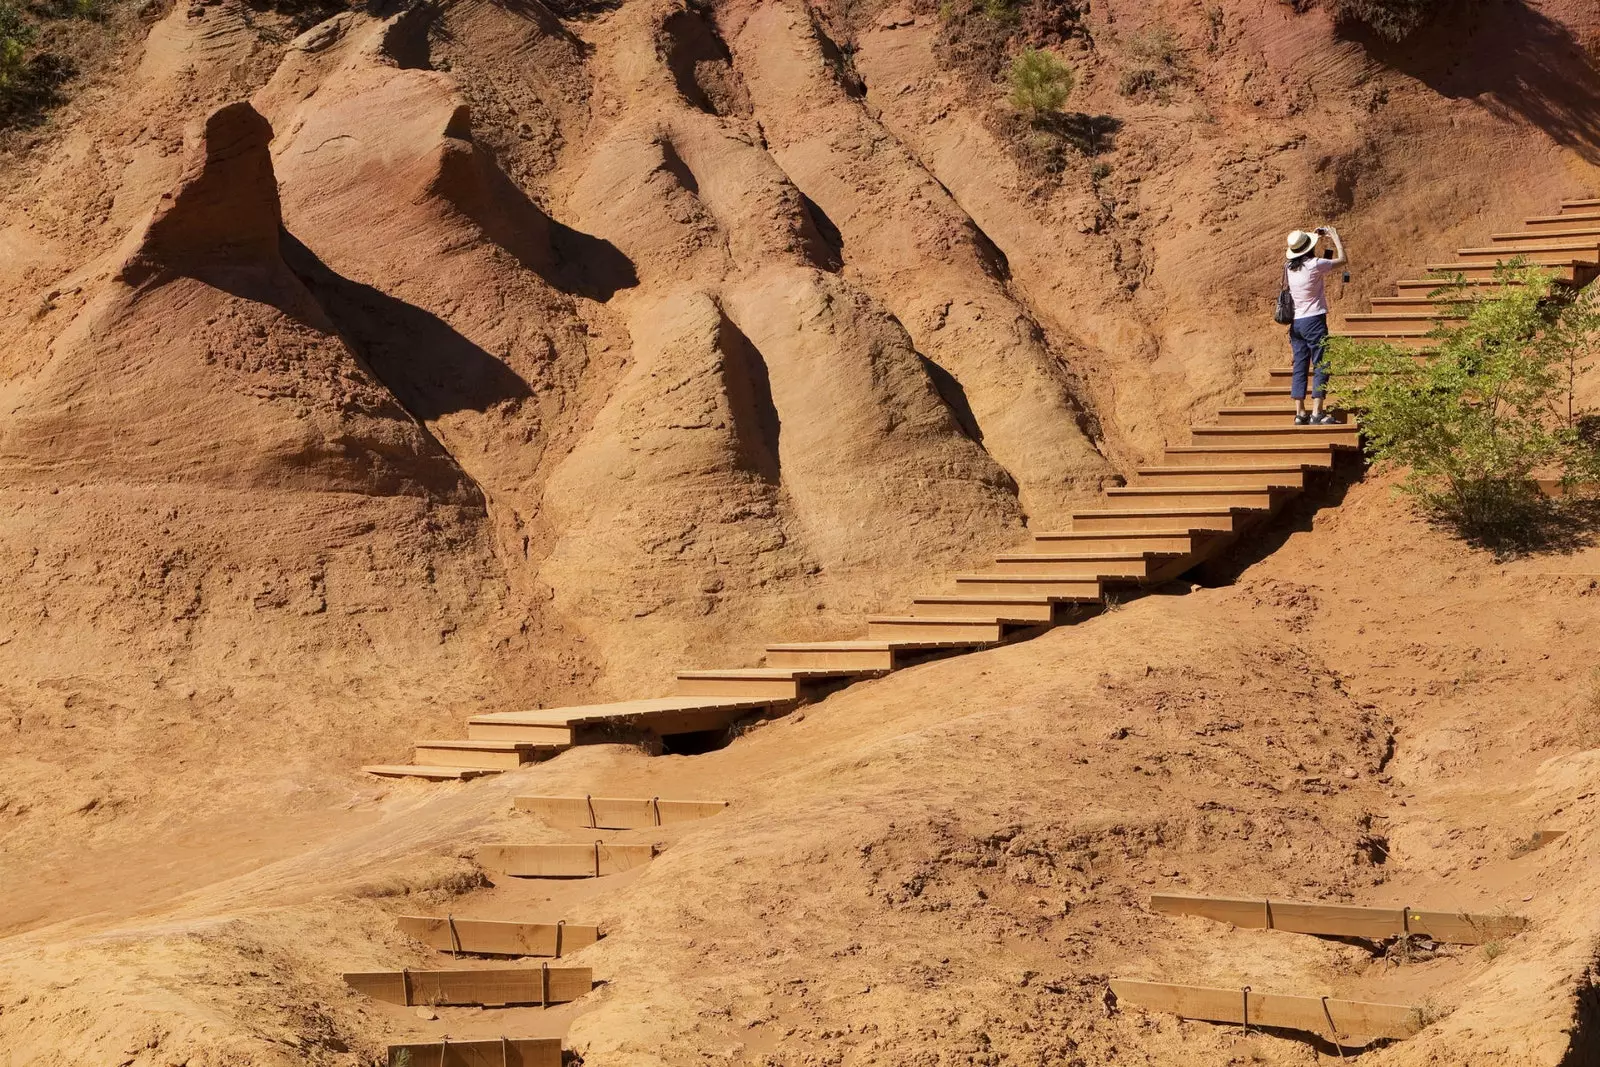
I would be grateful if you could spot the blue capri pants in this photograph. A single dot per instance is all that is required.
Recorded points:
(1307, 337)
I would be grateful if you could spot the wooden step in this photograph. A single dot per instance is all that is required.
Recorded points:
(1556, 228)
(876, 654)
(974, 630)
(432, 773)
(1235, 497)
(1483, 261)
(1062, 589)
(1106, 565)
(1576, 217)
(1479, 276)
(1419, 332)
(1424, 303)
(1282, 476)
(477, 752)
(1424, 319)
(777, 683)
(1260, 415)
(1313, 455)
(1533, 250)
(1579, 205)
(1061, 542)
(597, 723)
(1214, 519)
(1267, 394)
(1031, 610)
(1419, 342)
(1339, 436)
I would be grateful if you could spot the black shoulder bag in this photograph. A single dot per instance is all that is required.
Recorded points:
(1284, 314)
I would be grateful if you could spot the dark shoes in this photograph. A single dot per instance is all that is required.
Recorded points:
(1306, 419)
(1302, 419)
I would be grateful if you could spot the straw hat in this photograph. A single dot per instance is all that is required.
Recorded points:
(1300, 242)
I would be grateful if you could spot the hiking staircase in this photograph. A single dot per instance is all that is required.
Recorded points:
(1232, 476)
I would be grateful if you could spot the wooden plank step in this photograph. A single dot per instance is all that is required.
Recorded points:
(492, 987)
(1174, 542)
(1579, 205)
(1482, 265)
(1576, 252)
(1343, 920)
(1030, 610)
(1212, 519)
(1318, 456)
(486, 937)
(495, 1052)
(1280, 476)
(592, 860)
(618, 813)
(1480, 277)
(1060, 588)
(1424, 319)
(1349, 1018)
(974, 630)
(1426, 303)
(597, 722)
(432, 773)
(1275, 393)
(496, 755)
(1263, 415)
(778, 683)
(1399, 335)
(1338, 436)
(1558, 228)
(1563, 218)
(853, 655)
(1241, 497)
(1109, 565)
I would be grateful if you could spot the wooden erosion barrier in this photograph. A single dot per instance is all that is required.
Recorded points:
(566, 861)
(1343, 920)
(543, 985)
(618, 813)
(1320, 1015)
(494, 1052)
(483, 937)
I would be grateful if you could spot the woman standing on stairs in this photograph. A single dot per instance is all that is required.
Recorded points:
(1304, 276)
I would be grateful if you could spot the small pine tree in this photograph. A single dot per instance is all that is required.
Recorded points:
(15, 36)
(1040, 83)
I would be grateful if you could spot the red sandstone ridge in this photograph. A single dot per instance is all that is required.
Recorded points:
(224, 212)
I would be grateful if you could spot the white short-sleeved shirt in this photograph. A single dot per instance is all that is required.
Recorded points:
(1306, 286)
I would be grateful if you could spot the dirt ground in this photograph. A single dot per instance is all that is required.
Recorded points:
(433, 362)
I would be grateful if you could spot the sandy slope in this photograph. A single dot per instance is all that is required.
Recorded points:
(599, 341)
(944, 865)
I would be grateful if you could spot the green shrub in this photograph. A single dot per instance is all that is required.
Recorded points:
(1490, 409)
(1040, 83)
(1394, 20)
(15, 36)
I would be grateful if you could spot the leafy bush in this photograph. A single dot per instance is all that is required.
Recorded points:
(1494, 405)
(15, 37)
(1393, 20)
(1157, 63)
(1040, 83)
